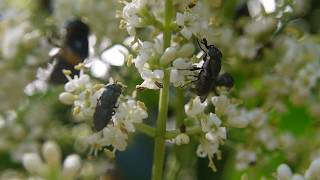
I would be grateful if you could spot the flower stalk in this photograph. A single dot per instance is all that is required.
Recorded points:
(159, 147)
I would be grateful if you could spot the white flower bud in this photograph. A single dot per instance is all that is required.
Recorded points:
(70, 86)
(33, 163)
(212, 137)
(297, 177)
(66, 98)
(284, 172)
(180, 19)
(186, 50)
(181, 63)
(186, 33)
(84, 79)
(215, 119)
(71, 166)
(52, 154)
(168, 55)
(181, 139)
(314, 170)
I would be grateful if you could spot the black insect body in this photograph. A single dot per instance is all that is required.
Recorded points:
(225, 80)
(105, 106)
(208, 78)
(74, 50)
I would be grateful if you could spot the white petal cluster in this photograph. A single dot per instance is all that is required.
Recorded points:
(245, 158)
(130, 112)
(214, 136)
(130, 14)
(212, 133)
(13, 37)
(312, 173)
(306, 79)
(261, 26)
(116, 134)
(40, 84)
(113, 135)
(238, 117)
(51, 165)
(82, 94)
(180, 72)
(148, 56)
(191, 22)
(195, 107)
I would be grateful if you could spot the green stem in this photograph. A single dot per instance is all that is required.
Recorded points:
(145, 129)
(159, 147)
(179, 107)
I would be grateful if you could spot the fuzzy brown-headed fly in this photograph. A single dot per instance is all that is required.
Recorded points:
(74, 50)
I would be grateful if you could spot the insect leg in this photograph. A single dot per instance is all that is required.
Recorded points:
(183, 86)
(194, 68)
(200, 46)
(205, 42)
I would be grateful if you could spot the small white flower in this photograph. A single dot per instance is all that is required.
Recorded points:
(208, 122)
(114, 136)
(221, 104)
(192, 22)
(130, 14)
(180, 72)
(151, 78)
(195, 107)
(129, 112)
(185, 20)
(77, 83)
(208, 149)
(244, 158)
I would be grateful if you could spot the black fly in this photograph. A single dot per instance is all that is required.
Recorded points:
(74, 50)
(208, 78)
(105, 106)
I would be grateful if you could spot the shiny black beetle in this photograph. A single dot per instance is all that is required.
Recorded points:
(74, 50)
(208, 78)
(105, 106)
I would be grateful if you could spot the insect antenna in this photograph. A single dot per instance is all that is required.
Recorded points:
(201, 46)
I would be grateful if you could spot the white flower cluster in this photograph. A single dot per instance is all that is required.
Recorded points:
(130, 14)
(51, 153)
(151, 56)
(116, 133)
(312, 173)
(137, 14)
(238, 117)
(213, 134)
(82, 94)
(244, 158)
(40, 84)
